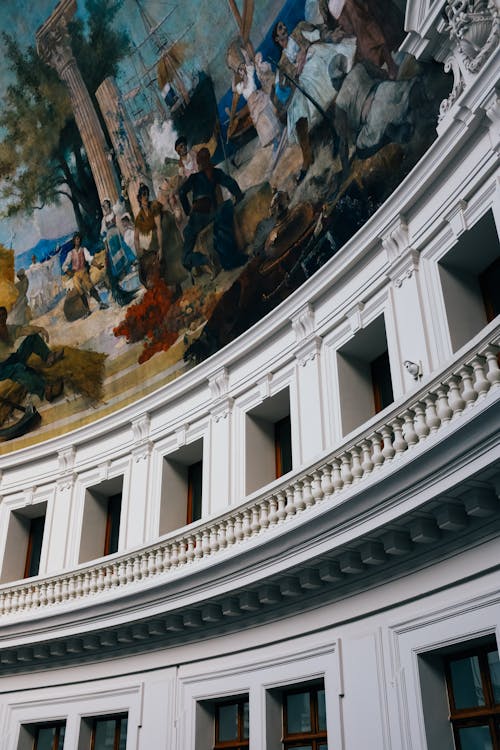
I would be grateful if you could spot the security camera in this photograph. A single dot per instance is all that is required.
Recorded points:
(413, 368)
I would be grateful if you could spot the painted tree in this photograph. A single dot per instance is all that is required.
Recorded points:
(41, 154)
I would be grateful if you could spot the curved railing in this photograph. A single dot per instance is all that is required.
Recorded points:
(429, 410)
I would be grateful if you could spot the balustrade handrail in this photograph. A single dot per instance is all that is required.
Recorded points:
(427, 410)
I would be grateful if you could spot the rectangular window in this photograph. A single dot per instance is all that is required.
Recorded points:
(232, 725)
(473, 686)
(381, 381)
(489, 281)
(304, 718)
(114, 510)
(195, 478)
(283, 446)
(109, 733)
(49, 737)
(34, 548)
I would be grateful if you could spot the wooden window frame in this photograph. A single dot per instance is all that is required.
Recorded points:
(57, 725)
(118, 719)
(487, 715)
(190, 490)
(241, 743)
(110, 518)
(278, 444)
(29, 550)
(376, 383)
(315, 737)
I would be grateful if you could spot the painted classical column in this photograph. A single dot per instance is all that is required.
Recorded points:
(128, 153)
(54, 47)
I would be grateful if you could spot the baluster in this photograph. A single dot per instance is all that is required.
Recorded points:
(2, 603)
(86, 583)
(273, 510)
(71, 587)
(408, 429)
(205, 542)
(174, 555)
(7, 602)
(64, 590)
(337, 481)
(455, 400)
(15, 601)
(469, 395)
(238, 527)
(388, 451)
(367, 463)
(198, 547)
(93, 581)
(144, 565)
(444, 410)
(100, 579)
(377, 455)
(57, 591)
(108, 577)
(182, 552)
(419, 423)
(230, 537)
(42, 597)
(247, 523)
(122, 573)
(151, 562)
(190, 548)
(166, 558)
(130, 567)
(400, 444)
(136, 568)
(78, 586)
(255, 524)
(115, 574)
(345, 469)
(298, 499)
(159, 560)
(493, 374)
(326, 480)
(281, 505)
(222, 535)
(22, 599)
(481, 383)
(290, 506)
(28, 602)
(307, 495)
(316, 489)
(431, 416)
(264, 515)
(357, 469)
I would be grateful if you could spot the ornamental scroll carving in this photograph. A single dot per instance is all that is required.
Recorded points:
(474, 29)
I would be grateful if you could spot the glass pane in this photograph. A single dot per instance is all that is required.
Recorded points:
(105, 734)
(228, 722)
(494, 665)
(321, 711)
(246, 721)
(61, 738)
(466, 680)
(475, 738)
(298, 712)
(123, 734)
(323, 747)
(302, 747)
(45, 738)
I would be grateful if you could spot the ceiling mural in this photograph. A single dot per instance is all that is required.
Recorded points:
(169, 173)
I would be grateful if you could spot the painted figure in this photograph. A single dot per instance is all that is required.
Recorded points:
(148, 237)
(204, 209)
(261, 108)
(119, 254)
(13, 361)
(77, 265)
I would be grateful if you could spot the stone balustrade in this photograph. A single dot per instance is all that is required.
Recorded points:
(430, 409)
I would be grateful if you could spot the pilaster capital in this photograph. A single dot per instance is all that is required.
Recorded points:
(222, 409)
(309, 350)
(404, 268)
(303, 322)
(396, 239)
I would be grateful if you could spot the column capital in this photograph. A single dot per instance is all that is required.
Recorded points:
(52, 38)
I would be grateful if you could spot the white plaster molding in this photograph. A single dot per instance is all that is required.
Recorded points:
(218, 383)
(309, 350)
(141, 426)
(396, 240)
(354, 317)
(264, 386)
(181, 436)
(222, 409)
(404, 267)
(457, 219)
(303, 323)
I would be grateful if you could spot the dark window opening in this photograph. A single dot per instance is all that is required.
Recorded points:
(304, 718)
(34, 549)
(381, 380)
(283, 446)
(114, 509)
(195, 483)
(49, 737)
(489, 281)
(109, 733)
(232, 725)
(473, 686)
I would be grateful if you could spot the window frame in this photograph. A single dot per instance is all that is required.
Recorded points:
(282, 432)
(57, 725)
(240, 743)
(487, 715)
(113, 518)
(315, 737)
(194, 500)
(35, 538)
(118, 718)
